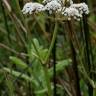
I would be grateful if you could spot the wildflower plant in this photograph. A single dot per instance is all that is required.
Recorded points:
(40, 66)
(67, 10)
(49, 46)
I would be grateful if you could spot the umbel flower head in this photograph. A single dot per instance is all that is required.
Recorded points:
(71, 12)
(81, 7)
(52, 6)
(57, 6)
(32, 8)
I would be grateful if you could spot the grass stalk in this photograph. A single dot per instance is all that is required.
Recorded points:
(5, 20)
(54, 67)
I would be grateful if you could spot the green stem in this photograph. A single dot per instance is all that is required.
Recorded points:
(47, 77)
(52, 43)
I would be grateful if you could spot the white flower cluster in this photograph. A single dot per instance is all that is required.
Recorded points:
(52, 6)
(57, 6)
(71, 12)
(82, 8)
(32, 8)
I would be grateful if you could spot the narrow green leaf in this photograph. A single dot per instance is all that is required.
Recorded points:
(18, 62)
(60, 66)
(23, 76)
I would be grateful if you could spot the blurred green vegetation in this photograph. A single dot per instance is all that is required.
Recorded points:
(26, 60)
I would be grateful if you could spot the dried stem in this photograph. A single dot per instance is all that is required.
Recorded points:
(75, 64)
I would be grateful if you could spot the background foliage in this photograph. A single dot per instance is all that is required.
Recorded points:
(26, 65)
